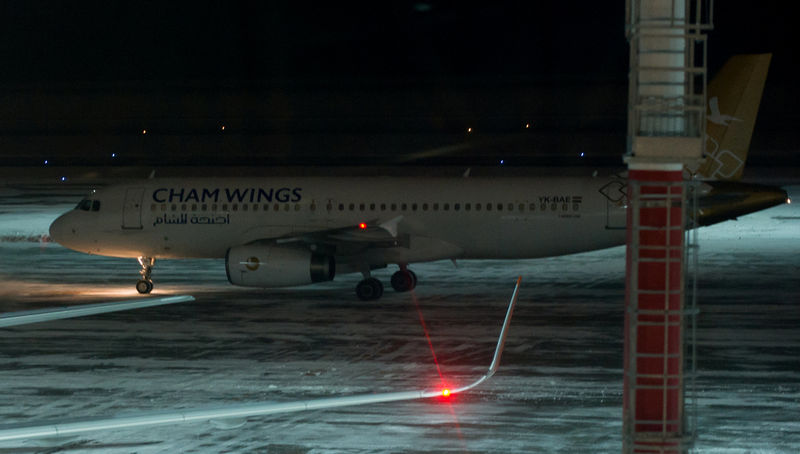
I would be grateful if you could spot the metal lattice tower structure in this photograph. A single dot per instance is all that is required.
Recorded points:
(667, 99)
(666, 133)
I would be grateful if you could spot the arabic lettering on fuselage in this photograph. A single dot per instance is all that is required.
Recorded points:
(194, 219)
(230, 195)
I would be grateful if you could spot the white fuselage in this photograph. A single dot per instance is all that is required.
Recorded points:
(441, 218)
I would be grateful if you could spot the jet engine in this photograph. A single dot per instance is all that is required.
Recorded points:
(271, 265)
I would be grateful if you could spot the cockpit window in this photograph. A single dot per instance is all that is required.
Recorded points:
(84, 205)
(88, 205)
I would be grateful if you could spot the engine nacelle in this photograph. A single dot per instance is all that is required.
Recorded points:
(270, 265)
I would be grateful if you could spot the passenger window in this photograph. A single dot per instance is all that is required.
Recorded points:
(235, 207)
(265, 207)
(446, 207)
(276, 207)
(296, 207)
(383, 207)
(213, 207)
(313, 207)
(95, 205)
(457, 206)
(521, 207)
(532, 207)
(224, 207)
(510, 207)
(173, 207)
(435, 207)
(329, 206)
(477, 207)
(413, 207)
(194, 207)
(424, 207)
(488, 207)
(153, 207)
(467, 206)
(372, 207)
(204, 207)
(341, 207)
(404, 207)
(361, 207)
(352, 206)
(245, 207)
(183, 207)
(163, 207)
(499, 207)
(394, 207)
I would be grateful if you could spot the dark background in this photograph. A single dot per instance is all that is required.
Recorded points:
(347, 84)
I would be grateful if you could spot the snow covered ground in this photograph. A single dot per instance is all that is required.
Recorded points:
(558, 388)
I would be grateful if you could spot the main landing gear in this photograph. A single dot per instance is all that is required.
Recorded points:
(371, 289)
(145, 284)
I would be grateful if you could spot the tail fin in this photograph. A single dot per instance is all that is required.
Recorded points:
(733, 99)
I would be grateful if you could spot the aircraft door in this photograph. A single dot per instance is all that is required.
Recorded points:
(132, 209)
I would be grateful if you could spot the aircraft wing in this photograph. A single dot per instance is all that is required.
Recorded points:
(373, 233)
(58, 313)
(63, 428)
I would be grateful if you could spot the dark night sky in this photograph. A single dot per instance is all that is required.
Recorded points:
(330, 83)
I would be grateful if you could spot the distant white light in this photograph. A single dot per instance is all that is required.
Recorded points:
(63, 178)
(113, 155)
(222, 128)
(502, 161)
(788, 200)
(46, 162)
(527, 125)
(469, 129)
(144, 131)
(581, 154)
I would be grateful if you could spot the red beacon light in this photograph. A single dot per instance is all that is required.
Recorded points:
(362, 226)
(445, 392)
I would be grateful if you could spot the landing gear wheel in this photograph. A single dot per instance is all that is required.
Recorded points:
(369, 289)
(144, 286)
(404, 280)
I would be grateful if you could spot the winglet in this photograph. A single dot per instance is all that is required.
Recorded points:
(501, 342)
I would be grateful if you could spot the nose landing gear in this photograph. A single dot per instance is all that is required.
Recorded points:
(145, 284)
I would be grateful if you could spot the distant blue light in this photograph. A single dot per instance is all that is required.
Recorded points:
(63, 178)
(46, 162)
(502, 161)
(581, 154)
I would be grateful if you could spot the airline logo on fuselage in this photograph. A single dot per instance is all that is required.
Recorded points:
(230, 195)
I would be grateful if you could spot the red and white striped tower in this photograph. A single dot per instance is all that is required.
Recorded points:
(666, 131)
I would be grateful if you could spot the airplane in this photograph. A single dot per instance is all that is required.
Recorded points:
(282, 232)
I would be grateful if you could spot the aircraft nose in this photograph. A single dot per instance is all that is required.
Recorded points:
(59, 230)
